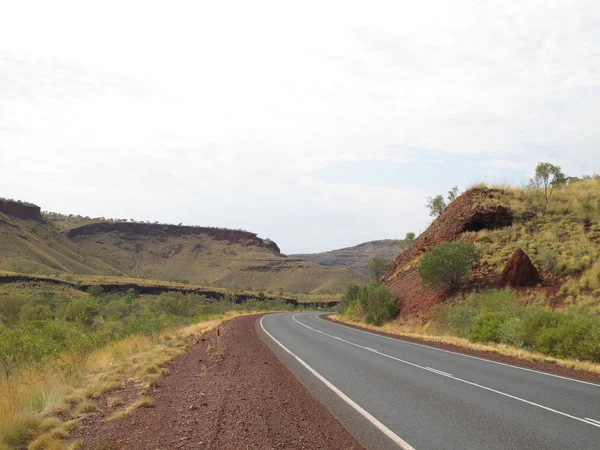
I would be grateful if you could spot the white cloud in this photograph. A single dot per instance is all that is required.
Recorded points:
(169, 112)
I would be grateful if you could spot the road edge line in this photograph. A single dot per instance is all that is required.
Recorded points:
(399, 338)
(376, 423)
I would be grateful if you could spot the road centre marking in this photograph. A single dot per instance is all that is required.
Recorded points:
(399, 338)
(451, 376)
(381, 427)
(446, 374)
(593, 421)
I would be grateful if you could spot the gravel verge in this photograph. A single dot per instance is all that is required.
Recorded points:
(239, 398)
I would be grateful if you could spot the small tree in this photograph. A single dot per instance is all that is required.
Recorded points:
(452, 194)
(447, 264)
(376, 266)
(405, 243)
(95, 291)
(436, 205)
(547, 178)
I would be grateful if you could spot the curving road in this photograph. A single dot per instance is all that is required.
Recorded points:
(395, 394)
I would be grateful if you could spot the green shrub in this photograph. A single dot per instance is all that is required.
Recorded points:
(372, 302)
(95, 291)
(383, 313)
(535, 321)
(447, 264)
(511, 332)
(547, 258)
(498, 301)
(462, 319)
(487, 327)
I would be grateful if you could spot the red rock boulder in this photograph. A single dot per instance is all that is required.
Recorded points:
(519, 271)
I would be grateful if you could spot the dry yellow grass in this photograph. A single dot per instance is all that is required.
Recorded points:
(36, 247)
(200, 259)
(30, 404)
(31, 247)
(416, 329)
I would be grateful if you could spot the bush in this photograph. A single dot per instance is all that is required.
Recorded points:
(384, 313)
(462, 319)
(511, 332)
(487, 327)
(498, 301)
(95, 291)
(447, 264)
(372, 302)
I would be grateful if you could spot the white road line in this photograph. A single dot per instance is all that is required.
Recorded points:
(381, 427)
(399, 338)
(596, 422)
(439, 371)
(452, 377)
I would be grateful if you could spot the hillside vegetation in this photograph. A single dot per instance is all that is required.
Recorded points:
(54, 244)
(450, 277)
(30, 245)
(355, 258)
(563, 244)
(60, 349)
(225, 258)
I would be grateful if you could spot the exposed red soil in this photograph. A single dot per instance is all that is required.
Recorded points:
(492, 356)
(467, 213)
(242, 398)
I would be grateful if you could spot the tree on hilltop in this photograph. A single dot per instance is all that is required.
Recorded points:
(437, 204)
(405, 243)
(547, 178)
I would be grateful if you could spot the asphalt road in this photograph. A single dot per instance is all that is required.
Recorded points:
(390, 393)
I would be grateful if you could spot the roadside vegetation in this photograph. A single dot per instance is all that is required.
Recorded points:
(58, 352)
(371, 303)
(499, 316)
(557, 224)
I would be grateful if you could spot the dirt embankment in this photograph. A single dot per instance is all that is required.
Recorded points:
(467, 213)
(242, 398)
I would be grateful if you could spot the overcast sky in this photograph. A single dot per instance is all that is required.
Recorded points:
(316, 124)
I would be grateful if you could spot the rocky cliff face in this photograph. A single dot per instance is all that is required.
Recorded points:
(21, 210)
(469, 212)
(134, 229)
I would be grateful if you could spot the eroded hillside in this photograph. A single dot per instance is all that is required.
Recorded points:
(563, 244)
(356, 257)
(29, 244)
(227, 258)
(235, 259)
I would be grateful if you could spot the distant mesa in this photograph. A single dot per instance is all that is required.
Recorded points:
(519, 271)
(244, 238)
(356, 257)
(52, 243)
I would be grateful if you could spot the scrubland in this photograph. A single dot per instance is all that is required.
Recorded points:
(558, 320)
(58, 353)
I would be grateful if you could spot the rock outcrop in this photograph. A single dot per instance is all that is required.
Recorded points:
(134, 229)
(21, 210)
(519, 271)
(474, 210)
